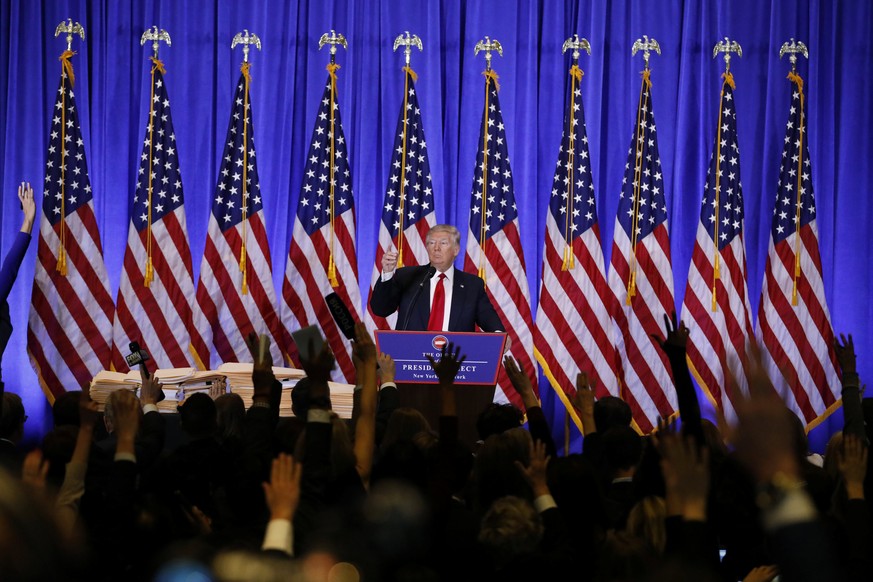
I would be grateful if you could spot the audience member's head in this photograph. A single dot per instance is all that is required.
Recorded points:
(65, 410)
(497, 418)
(231, 413)
(198, 415)
(611, 411)
(403, 424)
(57, 449)
(624, 556)
(12, 418)
(622, 449)
(495, 473)
(646, 521)
(511, 528)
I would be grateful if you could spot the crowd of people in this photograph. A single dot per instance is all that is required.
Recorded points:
(384, 496)
(247, 495)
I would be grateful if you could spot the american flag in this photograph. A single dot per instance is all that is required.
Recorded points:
(641, 275)
(494, 244)
(69, 332)
(322, 257)
(235, 291)
(794, 324)
(155, 304)
(716, 306)
(573, 329)
(408, 210)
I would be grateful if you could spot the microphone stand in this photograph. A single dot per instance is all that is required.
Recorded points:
(427, 275)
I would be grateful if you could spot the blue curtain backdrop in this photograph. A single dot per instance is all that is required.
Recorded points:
(288, 75)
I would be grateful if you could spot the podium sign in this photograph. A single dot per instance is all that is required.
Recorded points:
(410, 350)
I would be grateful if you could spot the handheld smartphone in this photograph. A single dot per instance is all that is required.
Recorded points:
(306, 337)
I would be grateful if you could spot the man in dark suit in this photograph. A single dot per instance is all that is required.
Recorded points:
(411, 291)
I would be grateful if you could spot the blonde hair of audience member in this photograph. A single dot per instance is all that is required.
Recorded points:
(646, 521)
(511, 527)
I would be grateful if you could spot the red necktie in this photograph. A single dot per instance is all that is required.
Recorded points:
(438, 307)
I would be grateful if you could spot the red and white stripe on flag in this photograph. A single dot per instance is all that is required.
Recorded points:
(794, 324)
(494, 246)
(160, 315)
(69, 330)
(322, 259)
(641, 275)
(573, 329)
(716, 308)
(237, 297)
(408, 210)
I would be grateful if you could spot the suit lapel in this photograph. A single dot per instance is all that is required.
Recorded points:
(458, 296)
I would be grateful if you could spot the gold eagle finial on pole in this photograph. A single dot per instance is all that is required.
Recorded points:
(70, 28)
(156, 36)
(407, 41)
(646, 45)
(793, 48)
(246, 39)
(727, 46)
(488, 45)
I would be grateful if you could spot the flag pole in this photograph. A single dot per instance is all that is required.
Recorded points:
(577, 44)
(486, 45)
(245, 38)
(333, 39)
(645, 44)
(156, 36)
(727, 47)
(793, 49)
(407, 42)
(70, 28)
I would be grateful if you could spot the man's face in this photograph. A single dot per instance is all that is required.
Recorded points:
(441, 250)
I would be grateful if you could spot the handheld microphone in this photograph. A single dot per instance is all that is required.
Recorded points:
(138, 356)
(341, 315)
(429, 272)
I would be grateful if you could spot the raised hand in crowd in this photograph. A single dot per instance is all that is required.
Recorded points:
(127, 420)
(446, 369)
(520, 382)
(853, 414)
(676, 339)
(387, 368)
(685, 466)
(34, 471)
(263, 377)
(762, 574)
(535, 473)
(28, 205)
(852, 463)
(282, 492)
(318, 368)
(845, 353)
(583, 400)
(151, 391)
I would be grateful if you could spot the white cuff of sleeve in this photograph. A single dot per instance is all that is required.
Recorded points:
(388, 385)
(279, 536)
(544, 502)
(125, 457)
(318, 415)
(149, 408)
(387, 276)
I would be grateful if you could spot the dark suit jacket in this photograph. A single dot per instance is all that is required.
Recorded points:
(470, 303)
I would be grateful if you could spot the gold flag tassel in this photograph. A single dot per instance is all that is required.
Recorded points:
(632, 279)
(331, 265)
(243, 261)
(797, 80)
(61, 266)
(409, 73)
(149, 275)
(490, 75)
(569, 261)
